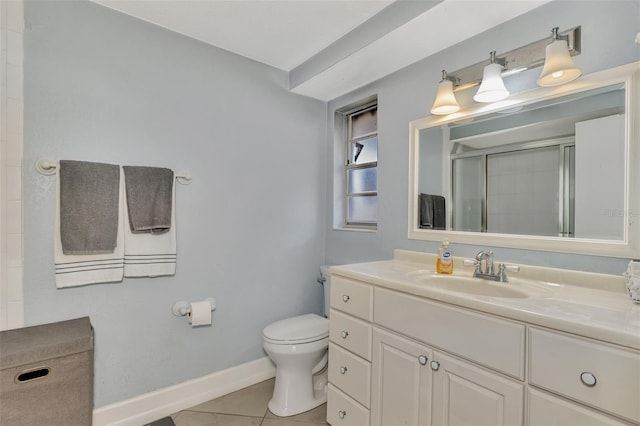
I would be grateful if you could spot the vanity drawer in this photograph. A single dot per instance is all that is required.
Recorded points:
(546, 409)
(483, 339)
(563, 364)
(352, 297)
(350, 333)
(350, 373)
(344, 411)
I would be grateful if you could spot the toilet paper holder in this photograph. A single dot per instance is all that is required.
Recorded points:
(182, 307)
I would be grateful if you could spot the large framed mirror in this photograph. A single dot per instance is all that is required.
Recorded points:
(552, 169)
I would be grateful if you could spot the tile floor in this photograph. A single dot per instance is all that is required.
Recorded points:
(246, 407)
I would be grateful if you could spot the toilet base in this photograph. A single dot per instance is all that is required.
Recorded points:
(310, 394)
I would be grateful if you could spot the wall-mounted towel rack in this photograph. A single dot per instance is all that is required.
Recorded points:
(48, 167)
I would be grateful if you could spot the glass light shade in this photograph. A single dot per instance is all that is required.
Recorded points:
(445, 102)
(492, 87)
(558, 68)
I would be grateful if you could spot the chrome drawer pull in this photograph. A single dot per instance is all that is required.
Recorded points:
(435, 365)
(588, 379)
(344, 334)
(342, 414)
(343, 370)
(345, 298)
(422, 360)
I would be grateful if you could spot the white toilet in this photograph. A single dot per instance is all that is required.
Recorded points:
(298, 348)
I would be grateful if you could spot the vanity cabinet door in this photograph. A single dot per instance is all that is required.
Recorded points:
(464, 394)
(401, 382)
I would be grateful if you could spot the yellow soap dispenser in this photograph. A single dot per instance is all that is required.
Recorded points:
(444, 264)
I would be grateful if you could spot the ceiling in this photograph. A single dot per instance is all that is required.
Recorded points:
(327, 46)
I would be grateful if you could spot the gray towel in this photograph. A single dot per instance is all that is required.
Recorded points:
(433, 214)
(439, 212)
(426, 211)
(149, 198)
(88, 207)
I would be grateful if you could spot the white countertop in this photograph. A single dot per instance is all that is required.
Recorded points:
(603, 314)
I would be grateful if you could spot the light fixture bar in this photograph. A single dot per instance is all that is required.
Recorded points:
(526, 57)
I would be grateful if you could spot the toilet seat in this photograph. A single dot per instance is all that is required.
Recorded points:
(297, 330)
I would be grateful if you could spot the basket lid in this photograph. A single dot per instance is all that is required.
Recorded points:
(27, 345)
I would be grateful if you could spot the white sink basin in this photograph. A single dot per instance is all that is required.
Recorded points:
(468, 285)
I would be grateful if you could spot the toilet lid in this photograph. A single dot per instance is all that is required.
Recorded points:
(306, 328)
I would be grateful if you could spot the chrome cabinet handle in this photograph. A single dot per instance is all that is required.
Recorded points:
(342, 414)
(345, 298)
(422, 360)
(588, 379)
(435, 365)
(343, 370)
(344, 334)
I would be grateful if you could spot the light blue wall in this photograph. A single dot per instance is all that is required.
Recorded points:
(101, 86)
(608, 32)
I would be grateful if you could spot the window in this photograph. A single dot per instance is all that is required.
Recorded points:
(361, 169)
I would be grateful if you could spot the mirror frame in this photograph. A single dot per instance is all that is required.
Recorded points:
(628, 247)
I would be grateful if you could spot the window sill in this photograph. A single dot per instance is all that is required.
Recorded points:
(356, 229)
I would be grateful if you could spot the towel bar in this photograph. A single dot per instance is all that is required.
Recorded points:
(48, 167)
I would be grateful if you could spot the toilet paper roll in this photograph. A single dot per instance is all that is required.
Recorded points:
(200, 313)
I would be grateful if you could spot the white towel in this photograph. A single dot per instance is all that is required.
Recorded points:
(77, 270)
(148, 254)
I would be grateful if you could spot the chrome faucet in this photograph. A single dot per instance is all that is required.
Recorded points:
(489, 273)
(487, 257)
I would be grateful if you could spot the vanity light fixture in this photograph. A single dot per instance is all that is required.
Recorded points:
(445, 102)
(523, 58)
(558, 68)
(492, 87)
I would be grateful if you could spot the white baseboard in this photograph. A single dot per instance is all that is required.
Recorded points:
(152, 406)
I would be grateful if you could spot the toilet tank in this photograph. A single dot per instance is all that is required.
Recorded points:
(324, 271)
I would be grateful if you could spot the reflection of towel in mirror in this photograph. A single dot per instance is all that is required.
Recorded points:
(432, 211)
(439, 213)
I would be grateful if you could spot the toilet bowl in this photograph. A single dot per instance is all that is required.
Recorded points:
(298, 348)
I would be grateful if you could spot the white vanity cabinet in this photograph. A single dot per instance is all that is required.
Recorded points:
(401, 359)
(416, 384)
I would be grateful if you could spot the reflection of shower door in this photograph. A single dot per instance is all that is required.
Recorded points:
(569, 191)
(469, 194)
(523, 191)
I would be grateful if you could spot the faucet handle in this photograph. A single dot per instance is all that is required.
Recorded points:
(509, 267)
(502, 268)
